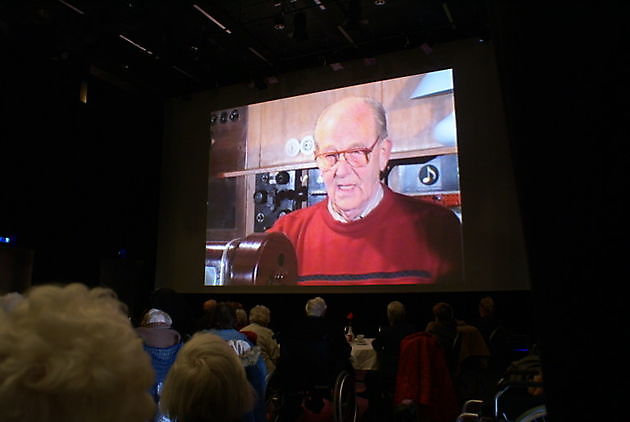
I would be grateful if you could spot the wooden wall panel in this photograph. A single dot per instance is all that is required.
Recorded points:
(254, 136)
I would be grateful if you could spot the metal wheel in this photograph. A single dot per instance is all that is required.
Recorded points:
(535, 414)
(344, 398)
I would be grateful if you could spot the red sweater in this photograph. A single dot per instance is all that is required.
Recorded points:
(402, 241)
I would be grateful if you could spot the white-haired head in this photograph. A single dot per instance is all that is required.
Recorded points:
(316, 307)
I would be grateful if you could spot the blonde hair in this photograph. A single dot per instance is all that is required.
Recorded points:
(260, 314)
(70, 354)
(206, 383)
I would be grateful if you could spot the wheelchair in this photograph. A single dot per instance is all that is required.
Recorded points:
(521, 407)
(342, 396)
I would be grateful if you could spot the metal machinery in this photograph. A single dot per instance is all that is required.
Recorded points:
(262, 259)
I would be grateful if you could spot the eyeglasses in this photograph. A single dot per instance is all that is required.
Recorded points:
(355, 157)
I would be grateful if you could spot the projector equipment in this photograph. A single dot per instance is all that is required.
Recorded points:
(261, 259)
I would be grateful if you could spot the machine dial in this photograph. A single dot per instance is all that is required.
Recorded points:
(282, 178)
(260, 197)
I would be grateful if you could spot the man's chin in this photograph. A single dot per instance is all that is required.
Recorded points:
(348, 210)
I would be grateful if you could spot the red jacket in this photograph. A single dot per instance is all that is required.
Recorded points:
(424, 378)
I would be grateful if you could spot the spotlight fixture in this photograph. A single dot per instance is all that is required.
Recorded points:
(379, 2)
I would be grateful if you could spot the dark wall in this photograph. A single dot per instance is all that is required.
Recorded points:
(572, 185)
(79, 182)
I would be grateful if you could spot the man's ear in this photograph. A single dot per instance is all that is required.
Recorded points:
(385, 148)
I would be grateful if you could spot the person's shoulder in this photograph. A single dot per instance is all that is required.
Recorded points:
(421, 206)
(297, 217)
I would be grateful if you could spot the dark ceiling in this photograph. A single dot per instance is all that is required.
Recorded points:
(172, 47)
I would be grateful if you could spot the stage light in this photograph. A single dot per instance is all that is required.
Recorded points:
(216, 22)
(73, 7)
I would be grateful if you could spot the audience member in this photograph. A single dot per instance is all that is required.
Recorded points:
(171, 302)
(69, 353)
(209, 304)
(223, 325)
(156, 329)
(259, 318)
(10, 300)
(487, 321)
(207, 383)
(162, 343)
(312, 353)
(381, 384)
(204, 322)
(444, 327)
(241, 318)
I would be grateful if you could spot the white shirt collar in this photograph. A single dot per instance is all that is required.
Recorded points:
(372, 203)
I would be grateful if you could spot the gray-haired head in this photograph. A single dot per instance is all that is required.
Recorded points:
(316, 307)
(395, 312)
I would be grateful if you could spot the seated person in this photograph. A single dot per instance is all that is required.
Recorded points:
(162, 343)
(312, 353)
(70, 354)
(156, 329)
(223, 325)
(259, 318)
(364, 233)
(207, 383)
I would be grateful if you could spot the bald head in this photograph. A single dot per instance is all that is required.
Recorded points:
(365, 109)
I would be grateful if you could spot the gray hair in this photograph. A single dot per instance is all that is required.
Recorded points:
(395, 312)
(69, 353)
(316, 307)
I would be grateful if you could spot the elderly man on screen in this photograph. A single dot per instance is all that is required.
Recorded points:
(365, 233)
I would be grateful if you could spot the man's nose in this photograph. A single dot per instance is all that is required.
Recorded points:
(342, 167)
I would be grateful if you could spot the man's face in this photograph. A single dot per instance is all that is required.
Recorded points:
(345, 126)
